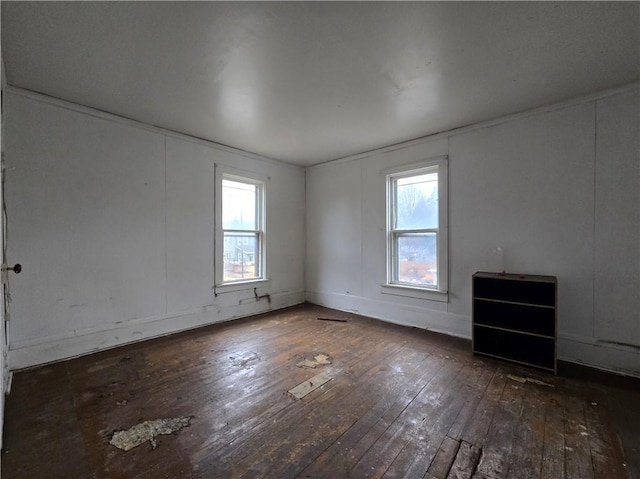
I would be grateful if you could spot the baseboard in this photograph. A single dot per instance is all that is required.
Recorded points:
(597, 375)
(27, 354)
(577, 350)
(437, 320)
(600, 355)
(589, 352)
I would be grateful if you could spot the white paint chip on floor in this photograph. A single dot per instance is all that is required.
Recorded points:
(306, 363)
(147, 431)
(318, 360)
(322, 359)
(304, 388)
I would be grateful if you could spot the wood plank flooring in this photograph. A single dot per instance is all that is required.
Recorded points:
(401, 403)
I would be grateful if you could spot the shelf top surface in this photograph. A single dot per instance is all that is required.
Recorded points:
(516, 277)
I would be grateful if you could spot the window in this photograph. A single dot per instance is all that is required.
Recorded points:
(417, 227)
(240, 248)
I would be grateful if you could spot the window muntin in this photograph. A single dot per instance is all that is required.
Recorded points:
(242, 229)
(416, 216)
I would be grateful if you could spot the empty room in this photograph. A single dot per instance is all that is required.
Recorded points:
(320, 240)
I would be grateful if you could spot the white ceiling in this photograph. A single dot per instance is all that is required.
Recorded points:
(311, 82)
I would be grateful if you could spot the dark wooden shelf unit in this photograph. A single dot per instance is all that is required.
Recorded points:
(515, 317)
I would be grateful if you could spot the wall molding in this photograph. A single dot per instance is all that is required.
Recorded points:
(592, 97)
(30, 353)
(358, 156)
(123, 120)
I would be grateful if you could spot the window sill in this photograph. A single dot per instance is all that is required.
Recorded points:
(241, 285)
(418, 293)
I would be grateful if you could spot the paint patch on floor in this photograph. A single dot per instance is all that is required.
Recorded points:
(147, 431)
(302, 389)
(318, 360)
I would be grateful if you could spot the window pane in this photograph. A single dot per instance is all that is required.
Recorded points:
(239, 205)
(241, 256)
(417, 201)
(416, 261)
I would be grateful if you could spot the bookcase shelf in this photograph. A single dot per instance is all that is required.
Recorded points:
(515, 318)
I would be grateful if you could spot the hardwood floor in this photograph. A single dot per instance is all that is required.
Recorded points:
(401, 403)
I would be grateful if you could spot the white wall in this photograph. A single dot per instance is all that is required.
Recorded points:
(557, 190)
(113, 224)
(4, 374)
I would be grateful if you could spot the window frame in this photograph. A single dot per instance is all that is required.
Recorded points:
(241, 176)
(438, 165)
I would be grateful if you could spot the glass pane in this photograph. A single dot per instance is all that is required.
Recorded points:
(241, 256)
(417, 201)
(239, 205)
(416, 261)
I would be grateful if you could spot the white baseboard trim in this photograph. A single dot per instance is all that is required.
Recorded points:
(397, 313)
(599, 354)
(32, 353)
(571, 348)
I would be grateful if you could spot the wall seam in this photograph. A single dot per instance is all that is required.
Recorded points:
(448, 213)
(595, 206)
(362, 192)
(166, 238)
(306, 236)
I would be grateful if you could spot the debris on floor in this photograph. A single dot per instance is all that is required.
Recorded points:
(147, 431)
(306, 363)
(522, 380)
(322, 359)
(339, 320)
(539, 383)
(246, 359)
(318, 360)
(304, 388)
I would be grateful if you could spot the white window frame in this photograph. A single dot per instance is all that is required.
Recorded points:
(437, 165)
(233, 174)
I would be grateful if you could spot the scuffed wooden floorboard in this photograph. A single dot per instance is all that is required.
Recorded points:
(401, 402)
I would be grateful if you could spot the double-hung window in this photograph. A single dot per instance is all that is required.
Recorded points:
(417, 227)
(241, 244)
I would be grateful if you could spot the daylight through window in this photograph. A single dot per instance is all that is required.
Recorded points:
(415, 245)
(242, 225)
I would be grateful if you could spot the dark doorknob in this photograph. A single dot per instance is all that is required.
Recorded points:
(15, 268)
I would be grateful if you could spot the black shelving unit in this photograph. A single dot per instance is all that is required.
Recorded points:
(515, 318)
